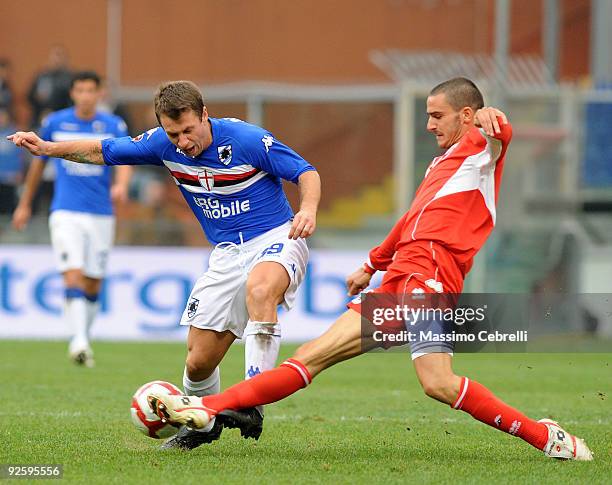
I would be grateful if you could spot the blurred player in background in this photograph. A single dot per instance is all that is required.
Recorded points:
(12, 165)
(50, 89)
(82, 223)
(230, 174)
(429, 251)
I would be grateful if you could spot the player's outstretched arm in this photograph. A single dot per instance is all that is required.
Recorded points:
(81, 151)
(305, 220)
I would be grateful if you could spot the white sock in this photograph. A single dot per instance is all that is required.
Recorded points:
(210, 385)
(92, 311)
(75, 313)
(261, 346)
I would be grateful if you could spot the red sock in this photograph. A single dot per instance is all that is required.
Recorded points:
(477, 400)
(269, 386)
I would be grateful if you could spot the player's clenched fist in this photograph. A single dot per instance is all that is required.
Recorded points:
(30, 141)
(358, 281)
(487, 118)
(303, 225)
(21, 217)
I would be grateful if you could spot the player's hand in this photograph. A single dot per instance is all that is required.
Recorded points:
(30, 141)
(21, 217)
(357, 282)
(119, 194)
(303, 225)
(487, 119)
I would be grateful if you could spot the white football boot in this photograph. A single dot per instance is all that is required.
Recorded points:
(80, 353)
(563, 445)
(186, 410)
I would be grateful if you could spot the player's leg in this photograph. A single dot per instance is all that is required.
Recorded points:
(211, 314)
(201, 377)
(265, 290)
(75, 314)
(99, 237)
(205, 350)
(438, 380)
(342, 341)
(277, 266)
(91, 288)
(68, 242)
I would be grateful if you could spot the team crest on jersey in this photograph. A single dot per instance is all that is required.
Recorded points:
(206, 179)
(192, 307)
(225, 154)
(98, 126)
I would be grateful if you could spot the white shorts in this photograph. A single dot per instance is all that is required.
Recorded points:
(82, 241)
(218, 299)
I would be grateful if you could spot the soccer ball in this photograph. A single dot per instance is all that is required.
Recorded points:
(142, 415)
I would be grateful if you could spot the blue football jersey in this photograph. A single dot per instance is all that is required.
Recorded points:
(234, 187)
(81, 187)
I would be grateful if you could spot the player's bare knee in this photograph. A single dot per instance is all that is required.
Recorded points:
(198, 367)
(261, 297)
(73, 279)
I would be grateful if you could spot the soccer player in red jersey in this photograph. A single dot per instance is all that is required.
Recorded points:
(429, 251)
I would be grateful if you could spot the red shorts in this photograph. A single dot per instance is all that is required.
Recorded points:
(419, 268)
(424, 276)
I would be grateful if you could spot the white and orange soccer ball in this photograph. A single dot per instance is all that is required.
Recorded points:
(142, 415)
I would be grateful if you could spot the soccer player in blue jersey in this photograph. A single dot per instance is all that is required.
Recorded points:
(230, 174)
(82, 223)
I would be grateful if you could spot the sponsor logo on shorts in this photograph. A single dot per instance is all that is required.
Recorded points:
(435, 285)
(192, 307)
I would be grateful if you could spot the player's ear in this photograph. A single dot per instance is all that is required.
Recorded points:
(204, 114)
(467, 115)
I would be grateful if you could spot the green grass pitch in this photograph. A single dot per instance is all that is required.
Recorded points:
(363, 421)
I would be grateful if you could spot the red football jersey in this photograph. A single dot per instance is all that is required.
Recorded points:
(455, 204)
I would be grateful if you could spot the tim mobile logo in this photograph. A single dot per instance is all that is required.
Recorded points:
(214, 209)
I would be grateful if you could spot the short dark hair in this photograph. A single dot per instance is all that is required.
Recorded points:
(460, 92)
(175, 97)
(85, 76)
